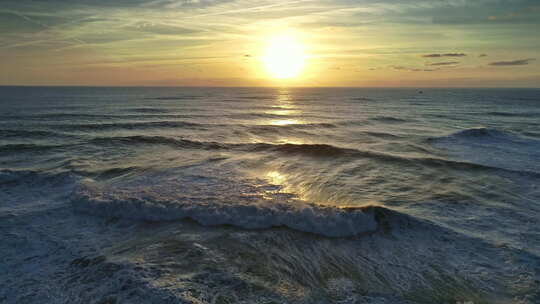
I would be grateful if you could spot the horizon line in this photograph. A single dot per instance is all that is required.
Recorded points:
(269, 87)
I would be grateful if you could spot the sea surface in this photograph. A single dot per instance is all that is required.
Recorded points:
(269, 195)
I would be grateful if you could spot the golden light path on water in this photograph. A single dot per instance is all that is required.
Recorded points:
(303, 185)
(284, 105)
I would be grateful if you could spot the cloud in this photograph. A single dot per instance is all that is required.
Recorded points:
(184, 3)
(13, 22)
(444, 55)
(443, 63)
(512, 62)
(160, 28)
(399, 68)
(402, 68)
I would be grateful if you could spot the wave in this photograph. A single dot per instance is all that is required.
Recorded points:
(21, 148)
(262, 115)
(109, 173)
(246, 212)
(36, 178)
(147, 110)
(329, 151)
(181, 97)
(510, 114)
(498, 138)
(159, 140)
(389, 119)
(493, 148)
(256, 97)
(287, 127)
(185, 124)
(317, 150)
(480, 132)
(30, 134)
(321, 150)
(107, 116)
(382, 135)
(52, 116)
(129, 125)
(363, 99)
(307, 150)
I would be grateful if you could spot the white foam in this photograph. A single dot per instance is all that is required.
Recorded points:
(255, 210)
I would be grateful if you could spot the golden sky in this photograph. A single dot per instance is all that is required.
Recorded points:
(227, 42)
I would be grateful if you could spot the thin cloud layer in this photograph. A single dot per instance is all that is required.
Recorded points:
(444, 55)
(512, 62)
(443, 63)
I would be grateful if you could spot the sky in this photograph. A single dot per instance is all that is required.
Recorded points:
(377, 43)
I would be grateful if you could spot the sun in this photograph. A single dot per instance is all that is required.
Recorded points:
(284, 57)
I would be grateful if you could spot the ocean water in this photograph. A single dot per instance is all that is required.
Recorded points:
(269, 195)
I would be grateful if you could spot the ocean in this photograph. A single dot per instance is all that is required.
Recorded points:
(269, 195)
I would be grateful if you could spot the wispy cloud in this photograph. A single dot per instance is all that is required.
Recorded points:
(444, 55)
(443, 63)
(512, 62)
(403, 68)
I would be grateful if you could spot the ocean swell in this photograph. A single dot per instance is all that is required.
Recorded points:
(129, 125)
(307, 150)
(478, 133)
(492, 148)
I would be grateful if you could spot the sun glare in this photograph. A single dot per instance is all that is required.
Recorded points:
(284, 57)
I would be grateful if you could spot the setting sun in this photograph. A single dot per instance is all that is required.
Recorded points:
(284, 57)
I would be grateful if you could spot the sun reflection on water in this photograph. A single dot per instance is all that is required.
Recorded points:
(284, 106)
(274, 177)
(284, 122)
(282, 111)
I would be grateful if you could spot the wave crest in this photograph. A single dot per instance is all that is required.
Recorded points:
(250, 212)
(493, 148)
(478, 133)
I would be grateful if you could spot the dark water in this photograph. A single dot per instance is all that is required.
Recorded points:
(262, 195)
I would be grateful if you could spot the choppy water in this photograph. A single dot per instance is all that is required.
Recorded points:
(252, 195)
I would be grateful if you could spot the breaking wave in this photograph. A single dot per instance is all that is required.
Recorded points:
(246, 212)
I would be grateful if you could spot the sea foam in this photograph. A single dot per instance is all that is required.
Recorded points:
(246, 210)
